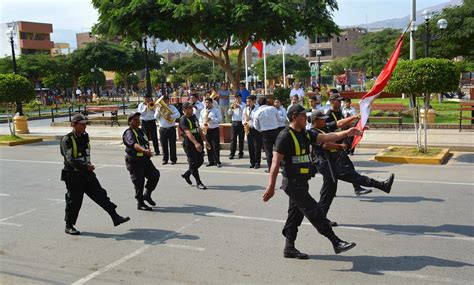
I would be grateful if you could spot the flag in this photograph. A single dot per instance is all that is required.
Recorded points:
(259, 46)
(380, 83)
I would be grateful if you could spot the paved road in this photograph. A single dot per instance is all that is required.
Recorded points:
(422, 233)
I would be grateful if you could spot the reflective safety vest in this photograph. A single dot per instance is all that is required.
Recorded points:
(138, 141)
(323, 132)
(191, 128)
(301, 164)
(80, 153)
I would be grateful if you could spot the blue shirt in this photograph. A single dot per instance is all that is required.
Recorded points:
(244, 93)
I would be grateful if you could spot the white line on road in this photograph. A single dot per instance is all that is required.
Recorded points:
(4, 195)
(10, 224)
(131, 255)
(213, 214)
(17, 215)
(181, 246)
(233, 172)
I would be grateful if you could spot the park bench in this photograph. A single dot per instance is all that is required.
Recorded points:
(466, 106)
(397, 108)
(112, 108)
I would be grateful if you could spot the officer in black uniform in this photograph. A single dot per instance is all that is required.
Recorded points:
(193, 144)
(78, 174)
(292, 148)
(138, 162)
(328, 163)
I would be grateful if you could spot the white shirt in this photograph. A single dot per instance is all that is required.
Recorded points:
(282, 118)
(249, 115)
(78, 91)
(163, 122)
(348, 112)
(197, 108)
(146, 113)
(266, 118)
(214, 117)
(237, 113)
(299, 92)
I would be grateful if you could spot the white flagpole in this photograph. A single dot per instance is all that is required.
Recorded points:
(284, 71)
(264, 69)
(246, 68)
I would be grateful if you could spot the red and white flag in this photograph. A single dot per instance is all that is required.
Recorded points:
(259, 46)
(380, 83)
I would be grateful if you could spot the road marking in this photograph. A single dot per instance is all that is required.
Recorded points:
(4, 195)
(181, 246)
(221, 215)
(131, 255)
(235, 171)
(17, 215)
(10, 224)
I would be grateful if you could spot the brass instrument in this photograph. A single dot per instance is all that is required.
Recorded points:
(151, 105)
(205, 126)
(164, 110)
(235, 105)
(247, 123)
(214, 95)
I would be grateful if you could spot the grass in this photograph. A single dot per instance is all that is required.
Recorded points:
(9, 138)
(405, 151)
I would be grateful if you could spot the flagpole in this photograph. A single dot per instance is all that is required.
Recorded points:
(264, 69)
(246, 68)
(284, 71)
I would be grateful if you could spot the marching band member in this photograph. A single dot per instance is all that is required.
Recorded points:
(147, 112)
(236, 111)
(209, 120)
(168, 132)
(254, 139)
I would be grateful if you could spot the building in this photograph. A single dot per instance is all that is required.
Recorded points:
(84, 38)
(29, 38)
(61, 48)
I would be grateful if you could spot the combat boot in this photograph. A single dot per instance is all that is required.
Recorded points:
(70, 230)
(385, 186)
(117, 219)
(291, 252)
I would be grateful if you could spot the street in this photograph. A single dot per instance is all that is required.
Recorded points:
(421, 233)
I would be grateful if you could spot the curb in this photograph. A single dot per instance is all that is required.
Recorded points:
(24, 141)
(436, 160)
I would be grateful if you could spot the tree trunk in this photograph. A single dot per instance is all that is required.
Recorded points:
(425, 125)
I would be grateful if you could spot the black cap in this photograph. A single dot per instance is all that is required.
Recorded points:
(133, 115)
(187, 105)
(317, 114)
(79, 119)
(295, 109)
(336, 96)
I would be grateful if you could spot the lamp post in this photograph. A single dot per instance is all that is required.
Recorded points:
(11, 34)
(95, 70)
(163, 78)
(135, 45)
(318, 54)
(442, 24)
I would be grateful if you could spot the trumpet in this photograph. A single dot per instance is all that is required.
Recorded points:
(152, 105)
(214, 95)
(235, 105)
(205, 126)
(164, 110)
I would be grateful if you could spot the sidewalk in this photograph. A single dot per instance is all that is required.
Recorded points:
(449, 138)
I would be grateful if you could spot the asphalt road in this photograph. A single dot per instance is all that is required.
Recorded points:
(422, 233)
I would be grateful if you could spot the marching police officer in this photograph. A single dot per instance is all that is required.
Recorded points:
(138, 162)
(78, 174)
(292, 148)
(193, 144)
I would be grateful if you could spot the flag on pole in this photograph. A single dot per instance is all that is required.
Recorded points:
(259, 46)
(380, 83)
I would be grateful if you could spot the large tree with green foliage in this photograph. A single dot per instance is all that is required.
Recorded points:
(294, 64)
(423, 77)
(36, 66)
(215, 28)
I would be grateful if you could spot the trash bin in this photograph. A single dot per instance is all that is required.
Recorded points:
(431, 116)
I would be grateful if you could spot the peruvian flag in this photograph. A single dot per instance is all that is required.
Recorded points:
(259, 46)
(378, 87)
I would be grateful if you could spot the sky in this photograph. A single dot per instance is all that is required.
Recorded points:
(79, 15)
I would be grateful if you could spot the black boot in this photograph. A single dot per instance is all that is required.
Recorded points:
(361, 191)
(147, 197)
(385, 186)
(117, 219)
(291, 252)
(70, 230)
(144, 207)
(338, 244)
(186, 177)
(200, 185)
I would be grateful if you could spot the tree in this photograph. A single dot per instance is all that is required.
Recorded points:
(15, 88)
(92, 79)
(421, 78)
(194, 69)
(36, 66)
(214, 29)
(6, 65)
(336, 66)
(59, 78)
(294, 64)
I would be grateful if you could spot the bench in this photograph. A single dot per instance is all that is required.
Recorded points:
(112, 108)
(398, 108)
(466, 106)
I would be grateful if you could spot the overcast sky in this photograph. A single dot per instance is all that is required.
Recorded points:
(79, 15)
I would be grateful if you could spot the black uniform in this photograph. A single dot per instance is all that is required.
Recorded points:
(254, 142)
(149, 127)
(79, 180)
(139, 165)
(237, 135)
(195, 157)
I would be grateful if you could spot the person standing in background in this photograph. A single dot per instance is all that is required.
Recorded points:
(236, 112)
(224, 94)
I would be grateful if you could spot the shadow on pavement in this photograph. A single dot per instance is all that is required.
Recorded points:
(465, 157)
(240, 188)
(394, 199)
(46, 143)
(191, 209)
(445, 230)
(376, 265)
(362, 163)
(148, 236)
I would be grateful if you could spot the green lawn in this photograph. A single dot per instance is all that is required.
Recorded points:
(404, 151)
(9, 138)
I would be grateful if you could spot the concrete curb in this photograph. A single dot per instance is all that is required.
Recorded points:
(24, 141)
(436, 160)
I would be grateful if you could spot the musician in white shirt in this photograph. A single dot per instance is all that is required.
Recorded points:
(266, 122)
(197, 105)
(236, 111)
(254, 140)
(210, 118)
(282, 119)
(149, 122)
(168, 132)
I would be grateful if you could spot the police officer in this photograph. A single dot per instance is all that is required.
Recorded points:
(193, 144)
(138, 162)
(327, 162)
(78, 174)
(292, 148)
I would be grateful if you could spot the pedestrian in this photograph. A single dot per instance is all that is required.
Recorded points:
(292, 148)
(297, 90)
(79, 176)
(294, 101)
(224, 94)
(243, 92)
(254, 140)
(147, 115)
(282, 119)
(168, 131)
(266, 122)
(236, 111)
(209, 120)
(138, 162)
(193, 139)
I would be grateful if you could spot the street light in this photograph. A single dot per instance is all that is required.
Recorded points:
(318, 54)
(11, 34)
(442, 24)
(135, 45)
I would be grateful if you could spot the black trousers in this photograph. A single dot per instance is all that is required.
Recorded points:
(268, 139)
(301, 205)
(254, 141)
(77, 184)
(195, 160)
(141, 168)
(213, 154)
(329, 187)
(345, 166)
(150, 131)
(168, 139)
(237, 134)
